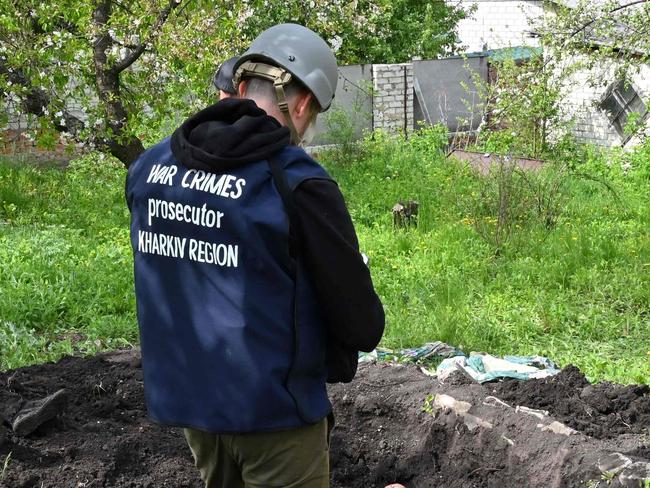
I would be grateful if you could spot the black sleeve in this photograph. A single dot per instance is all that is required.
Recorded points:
(330, 248)
(127, 197)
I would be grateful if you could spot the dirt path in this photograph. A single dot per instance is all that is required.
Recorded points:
(394, 424)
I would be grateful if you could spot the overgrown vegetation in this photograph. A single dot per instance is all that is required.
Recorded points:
(522, 106)
(577, 291)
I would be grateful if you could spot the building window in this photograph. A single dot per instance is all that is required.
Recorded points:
(620, 101)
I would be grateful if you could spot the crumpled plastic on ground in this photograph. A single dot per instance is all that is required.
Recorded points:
(428, 353)
(440, 359)
(483, 367)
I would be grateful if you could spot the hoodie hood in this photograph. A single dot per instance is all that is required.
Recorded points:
(230, 133)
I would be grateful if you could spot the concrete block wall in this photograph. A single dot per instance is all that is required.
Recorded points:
(393, 97)
(11, 107)
(498, 24)
(590, 124)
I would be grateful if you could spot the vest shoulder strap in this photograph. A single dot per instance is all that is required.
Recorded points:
(280, 180)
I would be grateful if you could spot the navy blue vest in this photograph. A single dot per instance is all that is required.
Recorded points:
(231, 332)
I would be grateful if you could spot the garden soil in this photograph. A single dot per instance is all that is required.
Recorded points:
(393, 424)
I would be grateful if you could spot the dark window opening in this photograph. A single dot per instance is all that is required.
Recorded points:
(620, 101)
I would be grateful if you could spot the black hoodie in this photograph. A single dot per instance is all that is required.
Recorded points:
(229, 133)
(234, 132)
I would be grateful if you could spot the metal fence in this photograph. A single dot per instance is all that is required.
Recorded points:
(446, 92)
(351, 111)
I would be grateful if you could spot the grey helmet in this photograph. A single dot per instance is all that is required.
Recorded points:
(301, 52)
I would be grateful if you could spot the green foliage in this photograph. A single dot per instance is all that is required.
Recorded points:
(511, 203)
(618, 31)
(367, 31)
(578, 292)
(428, 404)
(523, 106)
(430, 139)
(48, 60)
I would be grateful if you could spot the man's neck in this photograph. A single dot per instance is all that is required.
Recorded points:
(270, 108)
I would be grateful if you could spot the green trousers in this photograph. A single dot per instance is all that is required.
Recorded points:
(297, 458)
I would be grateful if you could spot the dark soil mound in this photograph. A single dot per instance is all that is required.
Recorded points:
(602, 411)
(391, 427)
(102, 439)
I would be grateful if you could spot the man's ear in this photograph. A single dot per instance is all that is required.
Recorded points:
(302, 106)
(241, 88)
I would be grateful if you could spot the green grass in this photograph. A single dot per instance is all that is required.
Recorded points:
(579, 294)
(65, 262)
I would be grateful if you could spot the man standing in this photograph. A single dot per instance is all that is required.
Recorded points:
(251, 291)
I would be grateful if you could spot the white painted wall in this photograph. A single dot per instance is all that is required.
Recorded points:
(497, 24)
(583, 95)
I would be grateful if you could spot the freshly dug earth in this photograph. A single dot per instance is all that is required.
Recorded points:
(603, 410)
(394, 424)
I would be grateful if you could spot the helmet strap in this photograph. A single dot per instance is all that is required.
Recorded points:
(280, 78)
(284, 108)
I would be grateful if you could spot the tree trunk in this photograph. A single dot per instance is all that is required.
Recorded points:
(124, 147)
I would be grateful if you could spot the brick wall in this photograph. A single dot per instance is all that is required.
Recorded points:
(393, 96)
